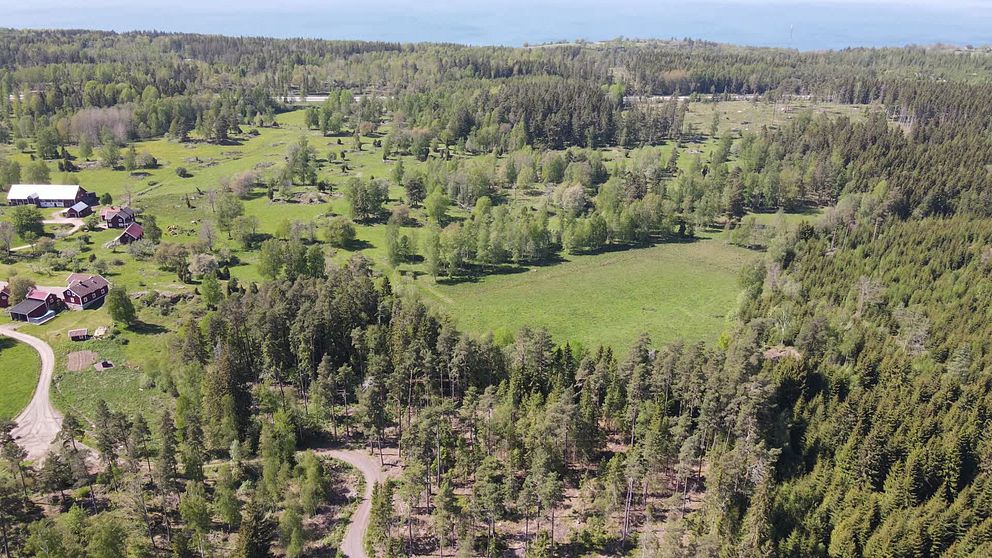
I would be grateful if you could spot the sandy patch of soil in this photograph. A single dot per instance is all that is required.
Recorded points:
(80, 360)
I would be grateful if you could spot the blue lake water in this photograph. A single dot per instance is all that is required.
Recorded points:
(806, 25)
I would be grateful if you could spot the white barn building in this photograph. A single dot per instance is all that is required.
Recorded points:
(48, 195)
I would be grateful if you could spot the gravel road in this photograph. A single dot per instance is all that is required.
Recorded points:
(39, 422)
(352, 546)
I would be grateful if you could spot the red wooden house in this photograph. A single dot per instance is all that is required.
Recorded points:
(50, 299)
(117, 217)
(133, 232)
(83, 291)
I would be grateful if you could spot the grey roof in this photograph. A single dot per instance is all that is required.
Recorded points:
(79, 206)
(26, 306)
(83, 285)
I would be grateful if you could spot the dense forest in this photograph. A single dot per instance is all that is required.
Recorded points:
(843, 413)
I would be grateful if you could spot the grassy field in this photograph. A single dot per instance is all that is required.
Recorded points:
(808, 214)
(125, 387)
(670, 291)
(20, 367)
(747, 116)
(689, 286)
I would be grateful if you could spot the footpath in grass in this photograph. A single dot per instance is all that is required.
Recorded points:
(20, 367)
(675, 291)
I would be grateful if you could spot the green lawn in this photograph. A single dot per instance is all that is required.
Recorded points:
(671, 291)
(808, 214)
(20, 367)
(125, 387)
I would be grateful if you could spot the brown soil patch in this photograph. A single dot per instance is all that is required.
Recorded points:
(81, 359)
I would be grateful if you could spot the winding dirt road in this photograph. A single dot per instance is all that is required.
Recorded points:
(39, 422)
(352, 546)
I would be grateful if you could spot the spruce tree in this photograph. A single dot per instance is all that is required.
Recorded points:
(166, 472)
(255, 534)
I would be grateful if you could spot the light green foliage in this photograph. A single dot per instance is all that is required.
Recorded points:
(38, 172)
(229, 208)
(26, 220)
(436, 206)
(226, 503)
(120, 307)
(210, 289)
(381, 520)
(85, 147)
(195, 510)
(302, 161)
(130, 158)
(339, 231)
(110, 153)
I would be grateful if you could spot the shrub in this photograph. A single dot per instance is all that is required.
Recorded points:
(340, 232)
(146, 161)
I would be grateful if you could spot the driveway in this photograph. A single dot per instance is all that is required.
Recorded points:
(39, 422)
(353, 544)
(57, 219)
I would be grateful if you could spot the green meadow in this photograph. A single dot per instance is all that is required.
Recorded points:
(20, 367)
(671, 291)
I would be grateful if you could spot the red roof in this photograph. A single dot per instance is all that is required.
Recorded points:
(134, 230)
(38, 294)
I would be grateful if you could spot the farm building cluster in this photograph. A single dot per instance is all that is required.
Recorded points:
(82, 291)
(78, 203)
(51, 195)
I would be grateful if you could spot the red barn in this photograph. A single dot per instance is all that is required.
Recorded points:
(81, 209)
(47, 195)
(32, 311)
(133, 232)
(4, 294)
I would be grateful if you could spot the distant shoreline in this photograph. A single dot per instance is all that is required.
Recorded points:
(947, 46)
(816, 26)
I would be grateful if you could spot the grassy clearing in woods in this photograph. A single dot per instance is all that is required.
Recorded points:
(670, 291)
